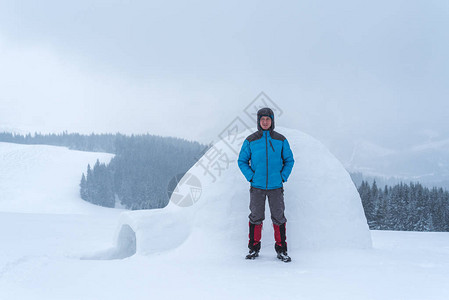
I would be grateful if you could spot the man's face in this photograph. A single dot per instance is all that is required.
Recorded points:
(265, 122)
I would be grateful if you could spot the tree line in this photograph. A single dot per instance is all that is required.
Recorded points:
(405, 207)
(137, 177)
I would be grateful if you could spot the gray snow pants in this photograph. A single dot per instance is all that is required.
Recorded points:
(275, 201)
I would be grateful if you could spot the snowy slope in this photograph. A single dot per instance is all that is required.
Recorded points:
(45, 256)
(44, 179)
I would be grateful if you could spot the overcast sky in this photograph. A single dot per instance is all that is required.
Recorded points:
(339, 70)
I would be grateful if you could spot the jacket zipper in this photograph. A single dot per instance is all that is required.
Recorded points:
(266, 151)
(271, 145)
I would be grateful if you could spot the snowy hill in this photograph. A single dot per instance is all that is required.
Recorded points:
(44, 179)
(60, 248)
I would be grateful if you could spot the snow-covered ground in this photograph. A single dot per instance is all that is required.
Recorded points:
(44, 179)
(59, 247)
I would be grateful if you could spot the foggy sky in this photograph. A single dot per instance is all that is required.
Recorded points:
(340, 70)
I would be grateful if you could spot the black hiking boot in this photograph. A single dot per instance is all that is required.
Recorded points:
(282, 252)
(284, 256)
(252, 254)
(254, 249)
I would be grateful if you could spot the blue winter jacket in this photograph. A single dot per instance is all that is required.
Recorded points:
(266, 159)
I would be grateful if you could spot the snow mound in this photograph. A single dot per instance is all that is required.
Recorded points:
(44, 179)
(323, 207)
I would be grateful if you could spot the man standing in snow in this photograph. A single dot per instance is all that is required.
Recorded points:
(266, 161)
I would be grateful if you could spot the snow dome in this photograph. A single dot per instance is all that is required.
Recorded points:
(209, 207)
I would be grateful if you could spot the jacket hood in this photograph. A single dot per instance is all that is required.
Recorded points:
(265, 112)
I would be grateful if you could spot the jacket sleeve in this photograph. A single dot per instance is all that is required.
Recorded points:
(287, 156)
(243, 161)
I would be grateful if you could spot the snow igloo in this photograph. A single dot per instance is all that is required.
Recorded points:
(210, 205)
